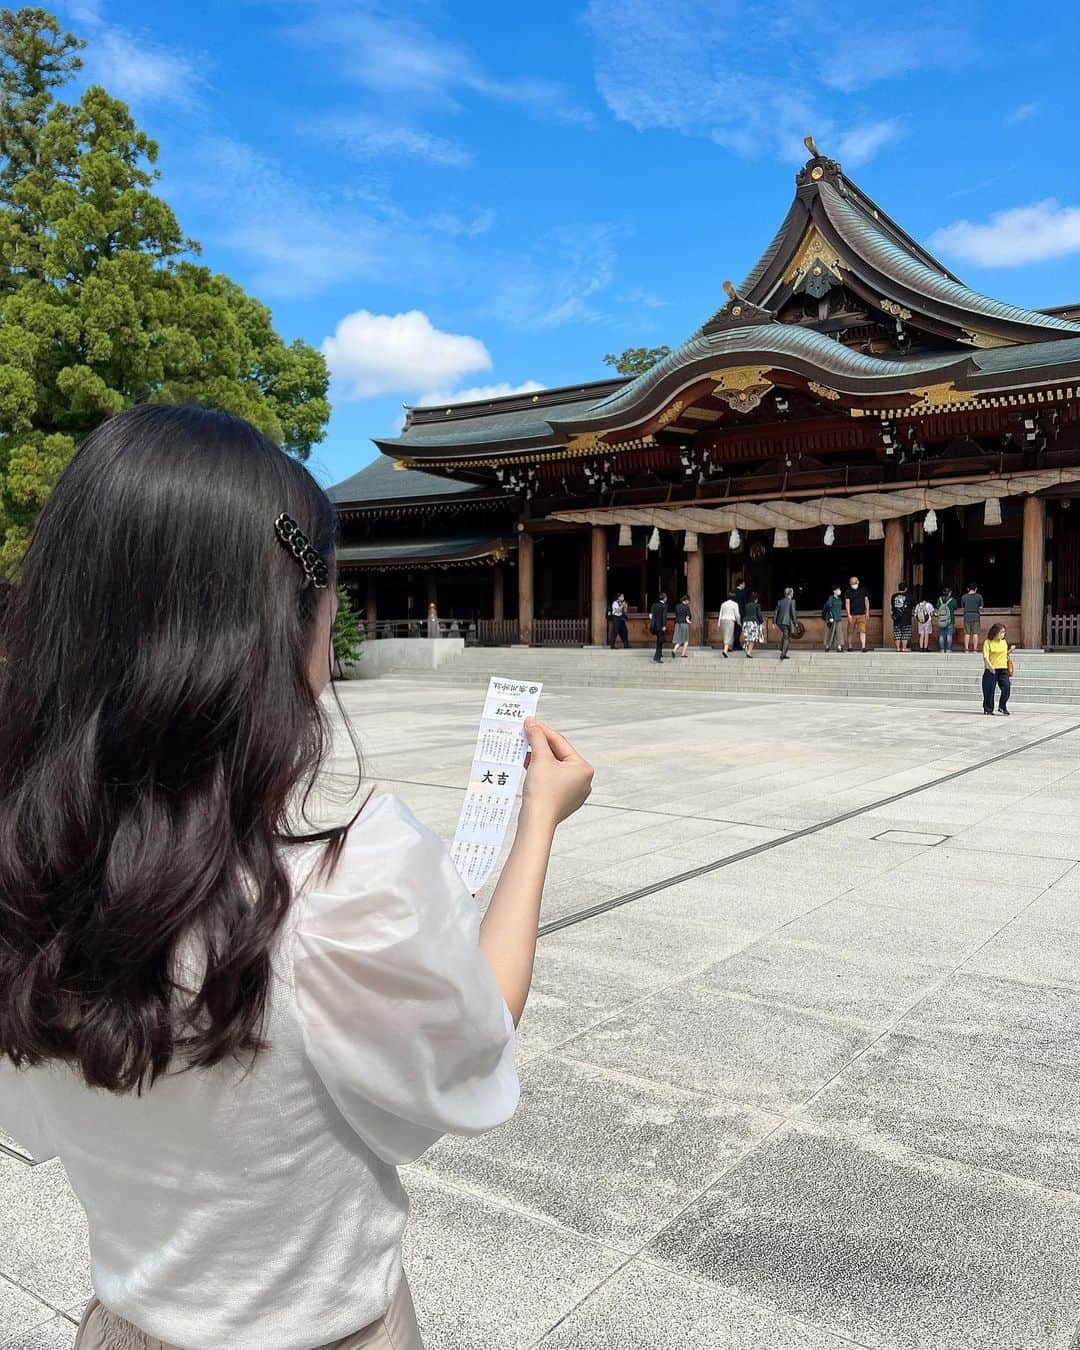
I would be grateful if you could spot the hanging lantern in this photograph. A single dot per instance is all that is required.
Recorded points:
(830, 536)
(654, 540)
(625, 537)
(734, 540)
(992, 511)
(930, 523)
(690, 544)
(877, 530)
(779, 539)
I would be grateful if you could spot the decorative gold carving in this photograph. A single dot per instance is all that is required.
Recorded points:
(400, 465)
(817, 172)
(703, 414)
(978, 339)
(739, 377)
(742, 388)
(814, 248)
(670, 413)
(822, 390)
(943, 395)
(583, 442)
(897, 311)
(811, 145)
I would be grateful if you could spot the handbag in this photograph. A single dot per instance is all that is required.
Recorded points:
(1011, 668)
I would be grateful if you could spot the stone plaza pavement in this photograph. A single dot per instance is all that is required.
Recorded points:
(819, 1097)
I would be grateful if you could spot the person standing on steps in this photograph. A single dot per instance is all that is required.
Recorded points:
(682, 627)
(751, 624)
(785, 619)
(618, 622)
(857, 612)
(945, 614)
(729, 622)
(742, 595)
(832, 612)
(900, 604)
(924, 617)
(996, 670)
(657, 624)
(972, 606)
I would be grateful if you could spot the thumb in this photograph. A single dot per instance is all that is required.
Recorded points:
(536, 735)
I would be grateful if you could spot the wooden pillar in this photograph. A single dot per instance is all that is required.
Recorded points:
(525, 587)
(598, 587)
(894, 572)
(432, 593)
(695, 589)
(498, 593)
(371, 612)
(1033, 573)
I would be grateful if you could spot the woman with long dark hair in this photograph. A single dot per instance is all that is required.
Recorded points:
(230, 1030)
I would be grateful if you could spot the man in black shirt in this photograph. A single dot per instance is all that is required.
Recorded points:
(902, 606)
(786, 619)
(857, 610)
(657, 624)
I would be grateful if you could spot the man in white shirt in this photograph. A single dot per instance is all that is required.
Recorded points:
(617, 624)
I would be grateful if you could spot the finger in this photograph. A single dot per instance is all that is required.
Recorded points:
(537, 736)
(559, 746)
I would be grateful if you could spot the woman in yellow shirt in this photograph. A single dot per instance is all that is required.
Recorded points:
(995, 651)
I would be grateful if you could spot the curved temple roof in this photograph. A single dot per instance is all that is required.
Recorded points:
(961, 338)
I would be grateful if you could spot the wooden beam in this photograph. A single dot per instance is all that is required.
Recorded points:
(1033, 572)
(598, 589)
(525, 587)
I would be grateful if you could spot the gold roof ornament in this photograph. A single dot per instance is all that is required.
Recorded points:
(811, 145)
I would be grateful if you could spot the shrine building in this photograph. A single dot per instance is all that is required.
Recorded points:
(852, 408)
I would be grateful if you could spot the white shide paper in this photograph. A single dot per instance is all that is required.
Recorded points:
(498, 767)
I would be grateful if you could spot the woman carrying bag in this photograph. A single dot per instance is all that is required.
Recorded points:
(997, 670)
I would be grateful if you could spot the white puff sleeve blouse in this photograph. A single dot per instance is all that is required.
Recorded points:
(399, 1009)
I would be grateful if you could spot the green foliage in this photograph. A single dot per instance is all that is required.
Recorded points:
(636, 360)
(101, 305)
(346, 635)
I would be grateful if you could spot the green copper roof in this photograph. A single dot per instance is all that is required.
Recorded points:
(447, 548)
(381, 482)
(906, 270)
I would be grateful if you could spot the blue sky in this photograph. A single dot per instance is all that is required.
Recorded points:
(458, 197)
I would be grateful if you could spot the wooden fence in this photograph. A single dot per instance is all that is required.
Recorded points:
(1062, 630)
(497, 632)
(560, 632)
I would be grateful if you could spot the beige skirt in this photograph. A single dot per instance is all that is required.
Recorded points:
(103, 1330)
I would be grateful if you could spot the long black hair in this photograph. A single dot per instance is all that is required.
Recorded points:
(157, 721)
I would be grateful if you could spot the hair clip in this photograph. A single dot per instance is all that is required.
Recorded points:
(296, 541)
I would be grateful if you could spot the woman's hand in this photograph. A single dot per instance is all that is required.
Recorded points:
(558, 780)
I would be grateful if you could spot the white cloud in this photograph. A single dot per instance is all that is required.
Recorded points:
(643, 299)
(757, 84)
(293, 242)
(371, 354)
(1020, 114)
(133, 66)
(860, 144)
(480, 393)
(396, 56)
(460, 227)
(559, 281)
(1022, 234)
(368, 138)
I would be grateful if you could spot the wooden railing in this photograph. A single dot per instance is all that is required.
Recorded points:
(560, 632)
(1062, 630)
(497, 632)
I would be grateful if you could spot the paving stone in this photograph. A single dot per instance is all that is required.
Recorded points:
(608, 1156)
(930, 938)
(1033, 952)
(56, 1334)
(645, 1308)
(586, 973)
(892, 1249)
(20, 1313)
(960, 1102)
(486, 1278)
(696, 1035)
(1000, 1017)
(43, 1244)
